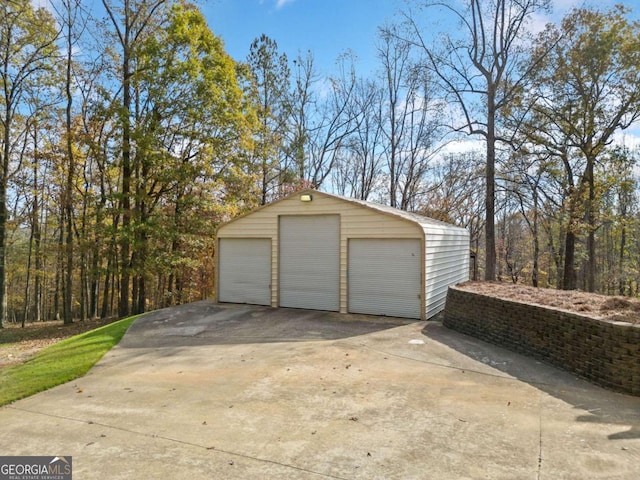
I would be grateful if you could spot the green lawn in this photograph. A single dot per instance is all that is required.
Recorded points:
(60, 363)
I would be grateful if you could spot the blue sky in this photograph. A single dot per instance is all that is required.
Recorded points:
(326, 27)
(330, 27)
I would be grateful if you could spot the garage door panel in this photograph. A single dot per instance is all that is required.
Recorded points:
(245, 271)
(385, 277)
(309, 261)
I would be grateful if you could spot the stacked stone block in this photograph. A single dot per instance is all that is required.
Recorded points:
(604, 352)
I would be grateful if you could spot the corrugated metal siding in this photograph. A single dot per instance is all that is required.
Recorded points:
(384, 277)
(310, 262)
(446, 263)
(245, 270)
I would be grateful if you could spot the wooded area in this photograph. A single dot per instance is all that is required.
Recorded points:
(129, 135)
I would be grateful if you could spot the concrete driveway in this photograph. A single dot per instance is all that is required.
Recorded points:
(236, 392)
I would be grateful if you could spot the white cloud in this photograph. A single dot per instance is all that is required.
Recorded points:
(559, 8)
(563, 5)
(629, 138)
(463, 146)
(282, 3)
(538, 22)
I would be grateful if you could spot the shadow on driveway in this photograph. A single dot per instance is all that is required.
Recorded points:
(237, 392)
(208, 323)
(558, 383)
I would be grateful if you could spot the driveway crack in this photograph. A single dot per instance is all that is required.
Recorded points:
(182, 442)
(539, 471)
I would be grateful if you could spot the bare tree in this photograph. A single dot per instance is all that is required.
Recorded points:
(451, 196)
(302, 101)
(394, 55)
(331, 124)
(409, 118)
(359, 171)
(477, 67)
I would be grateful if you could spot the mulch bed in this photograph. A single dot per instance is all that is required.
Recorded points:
(621, 309)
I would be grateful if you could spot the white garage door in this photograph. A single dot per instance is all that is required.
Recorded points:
(384, 277)
(310, 262)
(245, 271)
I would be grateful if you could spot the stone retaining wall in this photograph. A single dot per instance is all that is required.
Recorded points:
(603, 352)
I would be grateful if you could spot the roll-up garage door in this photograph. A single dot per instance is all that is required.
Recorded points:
(310, 262)
(385, 277)
(245, 270)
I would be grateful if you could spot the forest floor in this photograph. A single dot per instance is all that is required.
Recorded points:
(18, 344)
(605, 307)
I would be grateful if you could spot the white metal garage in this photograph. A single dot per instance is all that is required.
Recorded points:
(328, 252)
(310, 262)
(245, 270)
(384, 276)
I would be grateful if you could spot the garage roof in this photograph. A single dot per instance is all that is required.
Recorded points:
(425, 222)
(414, 217)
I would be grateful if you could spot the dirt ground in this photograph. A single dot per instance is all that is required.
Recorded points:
(620, 309)
(17, 344)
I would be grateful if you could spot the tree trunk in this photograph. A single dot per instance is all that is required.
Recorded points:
(141, 304)
(104, 311)
(83, 289)
(490, 232)
(38, 286)
(265, 186)
(559, 260)
(68, 195)
(536, 240)
(25, 303)
(34, 227)
(623, 241)
(94, 288)
(569, 278)
(3, 216)
(59, 287)
(125, 249)
(591, 220)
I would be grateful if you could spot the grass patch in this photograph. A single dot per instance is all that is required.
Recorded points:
(61, 362)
